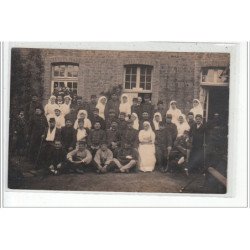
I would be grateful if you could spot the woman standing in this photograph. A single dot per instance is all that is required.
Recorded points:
(197, 108)
(174, 111)
(101, 106)
(147, 148)
(65, 108)
(49, 108)
(182, 125)
(125, 107)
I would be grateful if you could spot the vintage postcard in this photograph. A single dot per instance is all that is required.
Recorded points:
(117, 120)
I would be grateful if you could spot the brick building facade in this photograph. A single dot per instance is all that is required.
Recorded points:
(165, 75)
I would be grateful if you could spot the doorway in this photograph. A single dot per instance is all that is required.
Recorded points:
(218, 102)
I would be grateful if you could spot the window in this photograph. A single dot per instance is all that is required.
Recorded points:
(138, 77)
(65, 75)
(218, 75)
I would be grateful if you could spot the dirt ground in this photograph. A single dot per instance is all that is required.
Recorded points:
(155, 182)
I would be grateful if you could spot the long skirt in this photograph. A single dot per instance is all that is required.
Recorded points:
(147, 157)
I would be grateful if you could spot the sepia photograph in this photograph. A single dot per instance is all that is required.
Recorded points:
(118, 121)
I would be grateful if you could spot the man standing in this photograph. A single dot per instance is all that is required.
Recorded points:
(130, 135)
(113, 104)
(171, 128)
(30, 107)
(147, 107)
(197, 134)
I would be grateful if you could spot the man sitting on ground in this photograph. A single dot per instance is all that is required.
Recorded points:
(126, 158)
(80, 158)
(103, 158)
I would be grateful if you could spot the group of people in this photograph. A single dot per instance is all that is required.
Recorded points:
(102, 135)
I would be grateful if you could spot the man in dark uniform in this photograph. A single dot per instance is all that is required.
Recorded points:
(135, 108)
(190, 119)
(112, 104)
(145, 117)
(130, 135)
(29, 109)
(147, 107)
(68, 135)
(111, 117)
(171, 128)
(197, 134)
(160, 108)
(122, 124)
(113, 137)
(92, 106)
(96, 118)
(163, 145)
(37, 127)
(95, 137)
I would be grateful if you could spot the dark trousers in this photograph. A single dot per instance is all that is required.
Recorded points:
(161, 156)
(196, 160)
(86, 167)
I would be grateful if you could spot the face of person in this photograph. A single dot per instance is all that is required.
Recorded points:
(173, 105)
(58, 144)
(114, 97)
(81, 147)
(80, 124)
(38, 111)
(168, 120)
(79, 102)
(66, 100)
(124, 99)
(145, 116)
(133, 118)
(157, 118)
(122, 117)
(198, 120)
(82, 115)
(68, 123)
(190, 117)
(52, 100)
(34, 98)
(147, 99)
(96, 113)
(103, 101)
(146, 126)
(57, 112)
(97, 125)
(160, 106)
(93, 99)
(135, 102)
(139, 100)
(114, 125)
(72, 110)
(111, 115)
(52, 124)
(103, 147)
(59, 98)
(181, 120)
(195, 103)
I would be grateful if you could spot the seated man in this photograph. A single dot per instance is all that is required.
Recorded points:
(179, 155)
(95, 137)
(80, 158)
(57, 159)
(103, 158)
(126, 158)
(130, 135)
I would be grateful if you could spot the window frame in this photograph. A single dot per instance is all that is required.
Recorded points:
(137, 88)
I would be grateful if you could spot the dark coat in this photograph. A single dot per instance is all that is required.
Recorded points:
(124, 152)
(68, 137)
(163, 138)
(130, 135)
(57, 156)
(172, 130)
(197, 136)
(94, 119)
(147, 107)
(95, 137)
(112, 105)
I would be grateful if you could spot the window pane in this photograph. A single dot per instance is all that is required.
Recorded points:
(127, 85)
(148, 86)
(142, 85)
(69, 85)
(55, 85)
(62, 70)
(75, 72)
(127, 78)
(143, 70)
(61, 84)
(142, 78)
(70, 70)
(148, 78)
(56, 71)
(133, 78)
(75, 85)
(133, 85)
(134, 69)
